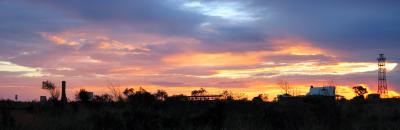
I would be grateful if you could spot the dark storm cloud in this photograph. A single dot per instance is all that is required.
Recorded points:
(339, 24)
(149, 15)
(162, 17)
(21, 20)
(44, 57)
(20, 25)
(234, 35)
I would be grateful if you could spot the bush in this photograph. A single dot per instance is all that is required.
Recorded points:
(83, 96)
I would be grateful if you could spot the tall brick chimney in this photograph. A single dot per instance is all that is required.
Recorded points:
(63, 94)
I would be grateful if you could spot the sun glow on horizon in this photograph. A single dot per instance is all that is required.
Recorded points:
(271, 90)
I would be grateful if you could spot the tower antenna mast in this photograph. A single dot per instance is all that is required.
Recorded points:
(382, 84)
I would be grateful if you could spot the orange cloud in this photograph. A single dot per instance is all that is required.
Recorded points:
(78, 59)
(59, 40)
(71, 38)
(305, 68)
(295, 46)
(285, 47)
(288, 46)
(213, 59)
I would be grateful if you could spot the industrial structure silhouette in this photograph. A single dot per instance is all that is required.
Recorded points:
(382, 83)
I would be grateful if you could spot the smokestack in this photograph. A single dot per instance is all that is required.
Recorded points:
(63, 94)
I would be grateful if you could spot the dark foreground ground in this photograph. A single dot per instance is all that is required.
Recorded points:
(311, 114)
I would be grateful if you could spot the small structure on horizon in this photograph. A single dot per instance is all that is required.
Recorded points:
(396, 97)
(322, 91)
(327, 92)
(373, 96)
(289, 98)
(16, 97)
(204, 97)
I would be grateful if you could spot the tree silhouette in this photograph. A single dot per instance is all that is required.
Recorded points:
(263, 97)
(161, 95)
(260, 98)
(360, 91)
(141, 91)
(129, 92)
(140, 97)
(199, 92)
(227, 95)
(240, 96)
(257, 99)
(54, 92)
(284, 85)
(115, 90)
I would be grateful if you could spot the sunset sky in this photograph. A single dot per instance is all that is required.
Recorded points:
(244, 46)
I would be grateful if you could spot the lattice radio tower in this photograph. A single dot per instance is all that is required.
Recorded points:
(382, 84)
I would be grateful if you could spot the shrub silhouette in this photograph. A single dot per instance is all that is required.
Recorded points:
(140, 97)
(257, 99)
(142, 110)
(105, 98)
(83, 96)
(260, 98)
(107, 121)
